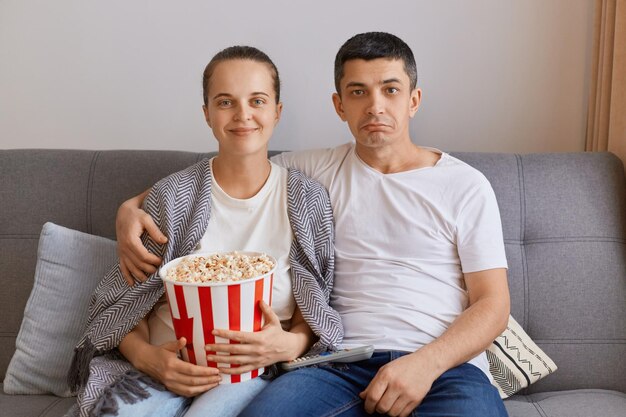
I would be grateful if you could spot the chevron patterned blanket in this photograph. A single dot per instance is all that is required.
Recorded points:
(180, 205)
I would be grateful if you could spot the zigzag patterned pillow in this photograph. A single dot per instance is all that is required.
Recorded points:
(515, 361)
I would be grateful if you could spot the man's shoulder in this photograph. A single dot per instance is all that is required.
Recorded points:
(320, 164)
(457, 170)
(314, 154)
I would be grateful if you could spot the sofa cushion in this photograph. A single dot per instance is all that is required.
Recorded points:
(34, 405)
(574, 403)
(69, 266)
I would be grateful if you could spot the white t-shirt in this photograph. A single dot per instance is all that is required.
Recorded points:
(259, 223)
(403, 242)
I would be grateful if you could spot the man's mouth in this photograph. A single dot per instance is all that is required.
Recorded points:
(374, 127)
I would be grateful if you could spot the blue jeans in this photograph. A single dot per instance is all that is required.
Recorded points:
(328, 391)
(222, 401)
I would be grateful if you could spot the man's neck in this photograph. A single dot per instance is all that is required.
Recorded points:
(402, 157)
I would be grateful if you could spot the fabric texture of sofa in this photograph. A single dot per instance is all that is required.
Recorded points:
(564, 222)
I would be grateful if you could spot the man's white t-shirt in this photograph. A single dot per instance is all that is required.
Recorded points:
(403, 242)
(259, 223)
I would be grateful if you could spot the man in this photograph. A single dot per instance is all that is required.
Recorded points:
(420, 263)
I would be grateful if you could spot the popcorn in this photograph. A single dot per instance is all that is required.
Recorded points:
(220, 267)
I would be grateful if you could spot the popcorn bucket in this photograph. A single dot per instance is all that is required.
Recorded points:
(199, 307)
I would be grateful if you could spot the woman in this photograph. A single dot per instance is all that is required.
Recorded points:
(238, 200)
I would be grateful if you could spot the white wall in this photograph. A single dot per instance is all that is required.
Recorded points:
(116, 74)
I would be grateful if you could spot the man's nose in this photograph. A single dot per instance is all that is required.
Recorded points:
(376, 104)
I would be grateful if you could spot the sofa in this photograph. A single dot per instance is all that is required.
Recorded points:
(564, 222)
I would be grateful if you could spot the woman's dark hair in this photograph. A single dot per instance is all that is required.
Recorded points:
(249, 53)
(374, 45)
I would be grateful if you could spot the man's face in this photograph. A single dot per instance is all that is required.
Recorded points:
(376, 101)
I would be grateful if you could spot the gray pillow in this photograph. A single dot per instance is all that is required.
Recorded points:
(69, 266)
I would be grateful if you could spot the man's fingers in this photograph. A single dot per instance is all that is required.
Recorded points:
(136, 273)
(126, 274)
(152, 229)
(408, 409)
(372, 394)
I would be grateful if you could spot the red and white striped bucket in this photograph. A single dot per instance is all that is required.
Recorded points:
(198, 308)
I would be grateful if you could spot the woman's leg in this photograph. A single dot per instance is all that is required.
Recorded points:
(158, 404)
(226, 400)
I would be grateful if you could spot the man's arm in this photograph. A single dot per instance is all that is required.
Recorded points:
(400, 386)
(136, 263)
(163, 364)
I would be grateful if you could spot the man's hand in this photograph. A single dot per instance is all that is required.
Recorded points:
(399, 386)
(136, 263)
(258, 349)
(180, 377)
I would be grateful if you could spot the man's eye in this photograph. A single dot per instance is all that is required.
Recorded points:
(392, 90)
(258, 102)
(358, 92)
(224, 103)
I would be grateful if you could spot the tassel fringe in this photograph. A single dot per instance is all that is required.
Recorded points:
(129, 388)
(79, 369)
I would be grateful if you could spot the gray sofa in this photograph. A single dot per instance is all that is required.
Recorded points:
(564, 219)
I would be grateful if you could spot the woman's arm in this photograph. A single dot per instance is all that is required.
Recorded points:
(163, 364)
(131, 221)
(270, 345)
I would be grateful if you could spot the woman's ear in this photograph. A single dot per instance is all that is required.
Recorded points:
(279, 110)
(205, 110)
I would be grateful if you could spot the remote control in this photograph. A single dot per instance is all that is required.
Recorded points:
(344, 355)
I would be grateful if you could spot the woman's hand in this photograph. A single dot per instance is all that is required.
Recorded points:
(136, 263)
(259, 349)
(163, 364)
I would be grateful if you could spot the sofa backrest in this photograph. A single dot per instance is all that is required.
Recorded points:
(563, 215)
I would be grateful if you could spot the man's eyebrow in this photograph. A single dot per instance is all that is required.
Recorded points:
(387, 81)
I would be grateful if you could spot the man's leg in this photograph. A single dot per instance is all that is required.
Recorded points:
(464, 391)
(325, 391)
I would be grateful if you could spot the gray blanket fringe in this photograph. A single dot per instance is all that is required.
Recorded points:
(79, 368)
(128, 388)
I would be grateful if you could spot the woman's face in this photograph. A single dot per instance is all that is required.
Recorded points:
(241, 107)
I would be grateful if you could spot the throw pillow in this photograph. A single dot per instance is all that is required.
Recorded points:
(69, 266)
(515, 361)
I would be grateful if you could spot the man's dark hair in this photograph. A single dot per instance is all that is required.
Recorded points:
(374, 45)
(249, 53)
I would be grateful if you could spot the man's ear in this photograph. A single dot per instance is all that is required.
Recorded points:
(279, 111)
(205, 110)
(416, 99)
(339, 106)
